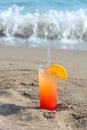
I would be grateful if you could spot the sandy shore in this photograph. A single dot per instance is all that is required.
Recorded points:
(19, 94)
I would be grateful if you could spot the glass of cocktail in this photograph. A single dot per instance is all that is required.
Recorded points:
(48, 90)
(48, 85)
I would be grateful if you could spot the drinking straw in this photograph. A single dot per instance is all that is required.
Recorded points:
(48, 56)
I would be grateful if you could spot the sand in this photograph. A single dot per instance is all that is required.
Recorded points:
(19, 90)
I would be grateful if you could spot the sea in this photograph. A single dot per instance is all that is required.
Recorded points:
(58, 24)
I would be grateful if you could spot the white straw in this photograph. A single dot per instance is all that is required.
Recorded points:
(48, 56)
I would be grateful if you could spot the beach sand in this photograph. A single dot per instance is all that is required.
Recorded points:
(19, 90)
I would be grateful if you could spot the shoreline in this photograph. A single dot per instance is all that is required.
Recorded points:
(19, 90)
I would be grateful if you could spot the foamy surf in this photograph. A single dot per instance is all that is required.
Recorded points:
(62, 29)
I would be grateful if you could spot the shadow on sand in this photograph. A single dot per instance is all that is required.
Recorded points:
(8, 109)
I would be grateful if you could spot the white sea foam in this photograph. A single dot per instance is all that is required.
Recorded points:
(59, 26)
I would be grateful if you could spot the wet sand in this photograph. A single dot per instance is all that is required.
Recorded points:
(19, 90)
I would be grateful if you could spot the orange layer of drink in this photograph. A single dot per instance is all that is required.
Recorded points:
(48, 90)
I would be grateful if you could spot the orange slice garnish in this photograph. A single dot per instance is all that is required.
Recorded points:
(58, 70)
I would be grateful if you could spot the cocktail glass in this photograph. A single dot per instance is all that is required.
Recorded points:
(47, 90)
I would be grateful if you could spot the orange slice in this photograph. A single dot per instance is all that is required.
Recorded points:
(58, 70)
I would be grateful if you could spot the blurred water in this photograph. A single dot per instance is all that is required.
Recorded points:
(48, 23)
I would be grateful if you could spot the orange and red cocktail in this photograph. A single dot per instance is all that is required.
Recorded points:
(48, 85)
(48, 90)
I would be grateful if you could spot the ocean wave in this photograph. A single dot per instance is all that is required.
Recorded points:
(55, 25)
